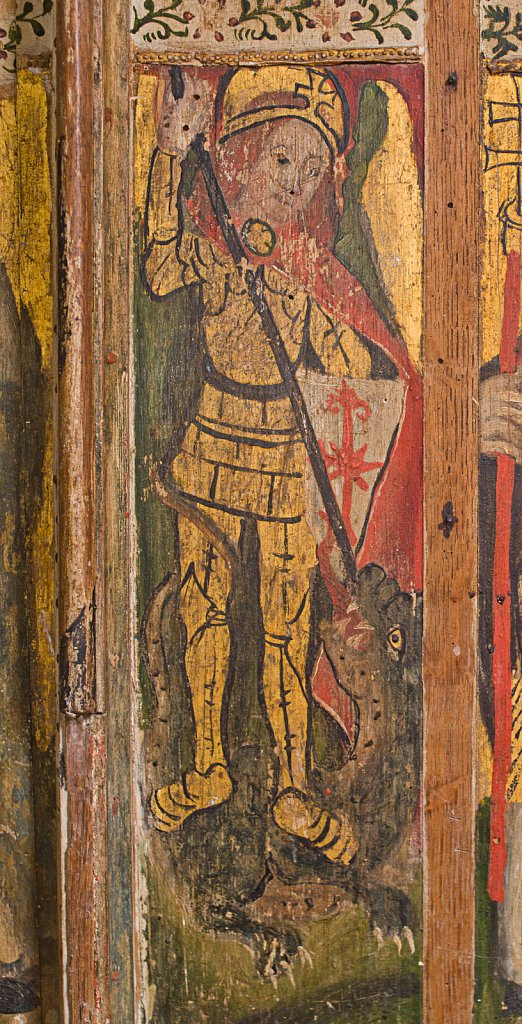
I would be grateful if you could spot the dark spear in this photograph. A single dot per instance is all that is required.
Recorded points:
(255, 285)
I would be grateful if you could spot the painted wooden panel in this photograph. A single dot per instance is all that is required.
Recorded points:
(280, 680)
(242, 536)
(499, 768)
(29, 955)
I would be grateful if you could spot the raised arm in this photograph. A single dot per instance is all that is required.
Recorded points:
(179, 120)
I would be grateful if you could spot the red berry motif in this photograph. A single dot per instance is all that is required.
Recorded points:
(347, 36)
(355, 16)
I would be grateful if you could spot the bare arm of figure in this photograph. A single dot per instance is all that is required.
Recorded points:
(178, 122)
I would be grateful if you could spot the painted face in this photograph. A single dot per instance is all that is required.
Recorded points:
(289, 163)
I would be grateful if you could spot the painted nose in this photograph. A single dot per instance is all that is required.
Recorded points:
(295, 187)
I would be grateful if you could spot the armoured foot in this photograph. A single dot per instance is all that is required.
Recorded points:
(172, 805)
(296, 813)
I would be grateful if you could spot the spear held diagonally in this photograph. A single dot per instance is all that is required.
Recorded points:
(510, 215)
(254, 281)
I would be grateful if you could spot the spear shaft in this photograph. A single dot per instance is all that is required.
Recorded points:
(255, 286)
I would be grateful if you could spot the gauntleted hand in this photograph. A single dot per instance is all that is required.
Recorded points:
(501, 415)
(178, 121)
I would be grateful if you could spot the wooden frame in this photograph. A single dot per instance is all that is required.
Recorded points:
(96, 689)
(451, 454)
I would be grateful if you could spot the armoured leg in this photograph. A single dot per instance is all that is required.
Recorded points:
(205, 586)
(287, 556)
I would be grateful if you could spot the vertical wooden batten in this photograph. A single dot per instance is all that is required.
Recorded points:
(451, 485)
(83, 741)
(84, 858)
(77, 595)
(117, 504)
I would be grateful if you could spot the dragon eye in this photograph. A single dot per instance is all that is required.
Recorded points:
(396, 640)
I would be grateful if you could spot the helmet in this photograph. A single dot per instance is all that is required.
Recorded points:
(253, 96)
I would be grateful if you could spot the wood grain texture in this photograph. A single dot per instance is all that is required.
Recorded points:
(75, 113)
(83, 816)
(451, 468)
(83, 739)
(116, 468)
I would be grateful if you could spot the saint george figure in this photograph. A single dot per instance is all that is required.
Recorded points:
(280, 141)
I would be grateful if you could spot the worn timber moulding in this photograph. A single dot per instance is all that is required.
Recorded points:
(281, 687)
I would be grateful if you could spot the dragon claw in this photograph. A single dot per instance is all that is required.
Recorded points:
(305, 957)
(398, 939)
(287, 966)
(408, 935)
(275, 957)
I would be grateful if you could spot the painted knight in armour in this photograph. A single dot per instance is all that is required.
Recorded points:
(283, 131)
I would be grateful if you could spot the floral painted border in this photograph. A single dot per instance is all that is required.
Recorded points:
(30, 31)
(271, 20)
(502, 30)
(304, 23)
(160, 20)
(30, 16)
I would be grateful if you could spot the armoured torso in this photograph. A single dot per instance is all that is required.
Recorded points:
(243, 452)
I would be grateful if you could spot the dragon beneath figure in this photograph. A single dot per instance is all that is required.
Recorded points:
(232, 862)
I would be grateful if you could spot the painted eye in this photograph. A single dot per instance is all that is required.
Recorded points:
(396, 640)
(283, 160)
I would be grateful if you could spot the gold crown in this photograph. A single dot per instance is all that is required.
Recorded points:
(256, 95)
